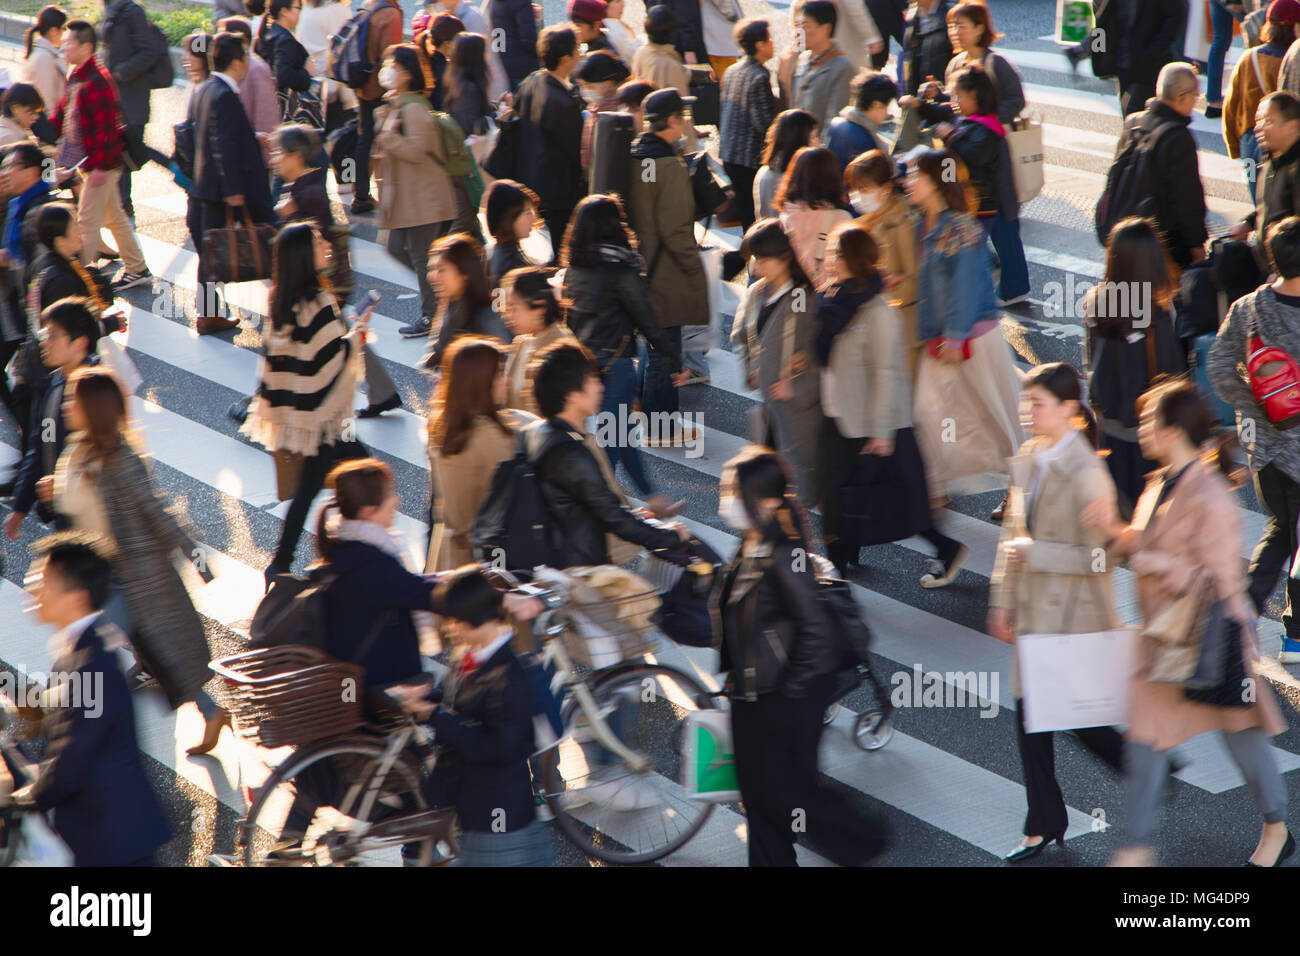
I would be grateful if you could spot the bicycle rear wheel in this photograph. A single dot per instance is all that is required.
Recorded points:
(306, 812)
(608, 809)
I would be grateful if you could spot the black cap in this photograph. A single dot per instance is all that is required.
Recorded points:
(664, 103)
(601, 66)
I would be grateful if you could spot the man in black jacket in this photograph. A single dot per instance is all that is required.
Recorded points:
(1144, 44)
(131, 52)
(1277, 124)
(1178, 200)
(229, 171)
(578, 498)
(550, 135)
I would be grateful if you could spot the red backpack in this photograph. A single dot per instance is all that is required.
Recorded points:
(1274, 378)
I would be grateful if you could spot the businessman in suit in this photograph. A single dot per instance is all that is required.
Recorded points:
(92, 781)
(229, 171)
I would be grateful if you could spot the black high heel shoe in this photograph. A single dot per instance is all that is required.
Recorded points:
(375, 410)
(1029, 852)
(1287, 849)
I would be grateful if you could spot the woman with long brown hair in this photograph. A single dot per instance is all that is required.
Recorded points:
(810, 205)
(102, 485)
(469, 435)
(457, 272)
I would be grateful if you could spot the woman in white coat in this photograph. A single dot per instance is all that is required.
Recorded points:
(43, 65)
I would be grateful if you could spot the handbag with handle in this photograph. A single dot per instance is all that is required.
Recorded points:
(238, 252)
(1025, 144)
(288, 471)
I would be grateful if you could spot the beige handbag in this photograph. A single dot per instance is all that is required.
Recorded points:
(1177, 630)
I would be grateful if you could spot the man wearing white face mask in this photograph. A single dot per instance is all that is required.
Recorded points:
(598, 76)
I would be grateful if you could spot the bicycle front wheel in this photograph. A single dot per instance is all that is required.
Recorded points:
(611, 810)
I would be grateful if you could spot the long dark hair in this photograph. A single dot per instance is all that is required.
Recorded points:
(468, 62)
(934, 164)
(49, 18)
(762, 473)
(1062, 381)
(1177, 403)
(767, 240)
(357, 484)
(813, 177)
(599, 220)
(463, 251)
(293, 271)
(790, 132)
(464, 392)
(1135, 259)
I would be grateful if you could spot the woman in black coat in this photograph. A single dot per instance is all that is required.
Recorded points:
(465, 95)
(282, 52)
(780, 652)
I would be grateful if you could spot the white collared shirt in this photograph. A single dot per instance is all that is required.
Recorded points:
(229, 81)
(484, 653)
(65, 639)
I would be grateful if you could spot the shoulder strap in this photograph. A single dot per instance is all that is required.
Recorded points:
(1254, 61)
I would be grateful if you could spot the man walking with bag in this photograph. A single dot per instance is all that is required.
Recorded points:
(89, 118)
(229, 174)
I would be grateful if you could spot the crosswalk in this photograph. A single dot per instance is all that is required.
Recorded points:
(943, 778)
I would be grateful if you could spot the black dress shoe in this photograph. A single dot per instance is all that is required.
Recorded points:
(387, 405)
(1287, 849)
(1029, 852)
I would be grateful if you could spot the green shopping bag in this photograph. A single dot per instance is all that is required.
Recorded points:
(1073, 21)
(708, 757)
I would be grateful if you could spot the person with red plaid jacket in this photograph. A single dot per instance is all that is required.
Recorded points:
(89, 118)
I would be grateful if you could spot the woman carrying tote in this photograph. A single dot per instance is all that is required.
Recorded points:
(1046, 578)
(1183, 541)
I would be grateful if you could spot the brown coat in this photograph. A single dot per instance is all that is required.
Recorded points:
(463, 481)
(416, 190)
(894, 229)
(1063, 586)
(1191, 541)
(385, 30)
(524, 351)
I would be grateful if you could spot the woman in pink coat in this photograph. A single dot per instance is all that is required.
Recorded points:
(1186, 535)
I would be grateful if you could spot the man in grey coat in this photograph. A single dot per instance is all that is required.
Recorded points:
(824, 73)
(130, 52)
(1273, 311)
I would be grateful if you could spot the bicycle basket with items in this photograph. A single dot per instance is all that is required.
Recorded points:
(609, 614)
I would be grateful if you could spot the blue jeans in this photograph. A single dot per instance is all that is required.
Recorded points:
(1011, 255)
(620, 390)
(1221, 22)
(1251, 158)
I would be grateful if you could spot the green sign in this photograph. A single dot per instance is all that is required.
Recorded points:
(1073, 21)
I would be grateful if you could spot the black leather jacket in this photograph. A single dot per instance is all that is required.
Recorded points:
(582, 506)
(608, 305)
(772, 632)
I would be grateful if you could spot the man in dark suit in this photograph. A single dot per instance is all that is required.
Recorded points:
(69, 331)
(229, 171)
(1146, 41)
(92, 781)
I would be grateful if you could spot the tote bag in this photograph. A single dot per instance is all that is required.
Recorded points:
(1068, 681)
(1025, 143)
(709, 757)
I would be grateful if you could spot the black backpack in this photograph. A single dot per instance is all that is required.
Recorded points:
(1130, 184)
(294, 611)
(514, 529)
(161, 74)
(1101, 49)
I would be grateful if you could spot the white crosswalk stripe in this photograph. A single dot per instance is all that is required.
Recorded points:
(938, 782)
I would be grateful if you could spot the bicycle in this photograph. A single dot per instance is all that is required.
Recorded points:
(354, 799)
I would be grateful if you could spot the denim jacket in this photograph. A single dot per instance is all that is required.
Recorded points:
(954, 288)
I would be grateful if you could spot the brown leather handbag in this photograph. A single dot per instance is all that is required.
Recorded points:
(238, 252)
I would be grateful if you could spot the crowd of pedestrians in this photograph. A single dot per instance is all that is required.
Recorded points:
(868, 326)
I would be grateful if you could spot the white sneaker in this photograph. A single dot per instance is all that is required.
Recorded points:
(620, 793)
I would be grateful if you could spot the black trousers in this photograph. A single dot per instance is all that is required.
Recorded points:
(776, 741)
(310, 482)
(1280, 497)
(1047, 816)
(365, 140)
(1133, 95)
(742, 181)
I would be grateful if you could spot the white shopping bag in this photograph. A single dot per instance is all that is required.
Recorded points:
(1069, 681)
(702, 338)
(709, 757)
(1025, 145)
(1196, 43)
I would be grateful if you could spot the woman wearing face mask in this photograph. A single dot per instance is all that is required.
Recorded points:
(598, 76)
(418, 201)
(1184, 537)
(778, 649)
(534, 315)
(773, 334)
(1046, 579)
(883, 211)
(866, 396)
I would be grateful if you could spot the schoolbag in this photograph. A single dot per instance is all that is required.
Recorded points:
(1130, 184)
(161, 74)
(293, 611)
(349, 61)
(1274, 377)
(514, 525)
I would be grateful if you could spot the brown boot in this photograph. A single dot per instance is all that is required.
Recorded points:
(208, 324)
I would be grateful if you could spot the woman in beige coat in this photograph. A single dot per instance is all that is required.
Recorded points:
(417, 201)
(470, 434)
(1185, 535)
(884, 212)
(534, 316)
(1047, 578)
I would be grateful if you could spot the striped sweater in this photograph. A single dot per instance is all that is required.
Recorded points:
(308, 381)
